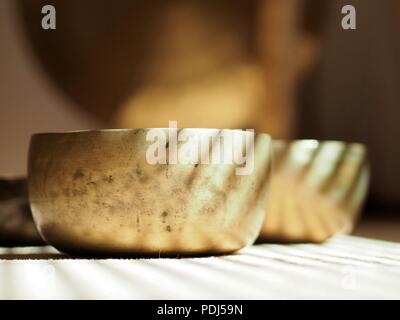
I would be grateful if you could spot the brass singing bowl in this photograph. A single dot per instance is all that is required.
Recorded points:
(94, 192)
(317, 190)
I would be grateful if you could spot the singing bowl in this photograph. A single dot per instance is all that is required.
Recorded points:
(317, 190)
(94, 192)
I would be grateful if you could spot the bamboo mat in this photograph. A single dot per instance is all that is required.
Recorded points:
(346, 267)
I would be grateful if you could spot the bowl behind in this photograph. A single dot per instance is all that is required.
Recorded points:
(317, 190)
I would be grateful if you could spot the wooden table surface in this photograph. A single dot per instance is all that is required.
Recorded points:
(345, 267)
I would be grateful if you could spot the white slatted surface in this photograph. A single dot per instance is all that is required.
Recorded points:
(345, 267)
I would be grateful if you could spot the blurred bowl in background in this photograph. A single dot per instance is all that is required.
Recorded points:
(94, 192)
(317, 190)
(16, 223)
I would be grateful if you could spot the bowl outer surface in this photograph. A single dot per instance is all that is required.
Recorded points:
(95, 193)
(317, 190)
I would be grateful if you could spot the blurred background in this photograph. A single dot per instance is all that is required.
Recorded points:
(284, 67)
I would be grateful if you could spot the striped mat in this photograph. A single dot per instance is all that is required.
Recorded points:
(346, 267)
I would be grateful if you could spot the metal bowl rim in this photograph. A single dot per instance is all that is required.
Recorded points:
(317, 142)
(114, 130)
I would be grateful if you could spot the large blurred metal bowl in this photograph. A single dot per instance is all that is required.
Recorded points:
(93, 192)
(317, 190)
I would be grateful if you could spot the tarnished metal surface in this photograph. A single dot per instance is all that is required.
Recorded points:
(317, 190)
(93, 192)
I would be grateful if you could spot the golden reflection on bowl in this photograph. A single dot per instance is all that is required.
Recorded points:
(317, 190)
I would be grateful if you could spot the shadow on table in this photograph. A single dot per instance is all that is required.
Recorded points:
(33, 256)
(48, 253)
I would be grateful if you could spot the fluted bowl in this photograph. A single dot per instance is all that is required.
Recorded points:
(317, 190)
